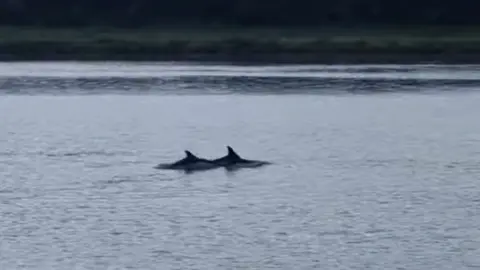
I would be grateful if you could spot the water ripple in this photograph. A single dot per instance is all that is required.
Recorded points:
(359, 182)
(78, 79)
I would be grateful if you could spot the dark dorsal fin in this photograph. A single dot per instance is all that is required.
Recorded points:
(190, 155)
(232, 153)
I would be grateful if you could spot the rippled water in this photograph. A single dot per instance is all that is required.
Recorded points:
(375, 167)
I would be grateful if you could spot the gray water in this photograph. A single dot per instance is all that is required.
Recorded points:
(375, 167)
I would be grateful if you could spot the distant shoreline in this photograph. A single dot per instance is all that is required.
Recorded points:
(347, 59)
(237, 46)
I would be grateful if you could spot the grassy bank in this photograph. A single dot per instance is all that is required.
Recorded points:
(392, 45)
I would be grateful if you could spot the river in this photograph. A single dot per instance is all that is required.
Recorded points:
(374, 166)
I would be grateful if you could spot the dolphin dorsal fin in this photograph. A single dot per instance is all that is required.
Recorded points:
(232, 154)
(189, 154)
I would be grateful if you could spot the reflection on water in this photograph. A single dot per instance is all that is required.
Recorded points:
(178, 79)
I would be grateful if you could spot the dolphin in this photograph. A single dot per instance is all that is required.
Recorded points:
(233, 161)
(189, 163)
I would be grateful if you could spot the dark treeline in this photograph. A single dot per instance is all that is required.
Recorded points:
(136, 13)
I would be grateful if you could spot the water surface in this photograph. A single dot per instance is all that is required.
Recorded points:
(375, 167)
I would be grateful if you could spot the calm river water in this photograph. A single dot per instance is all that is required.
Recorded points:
(375, 167)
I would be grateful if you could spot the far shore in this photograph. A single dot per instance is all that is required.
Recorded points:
(346, 58)
(263, 46)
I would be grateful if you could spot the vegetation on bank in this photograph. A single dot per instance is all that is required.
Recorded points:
(296, 30)
(272, 13)
(26, 43)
